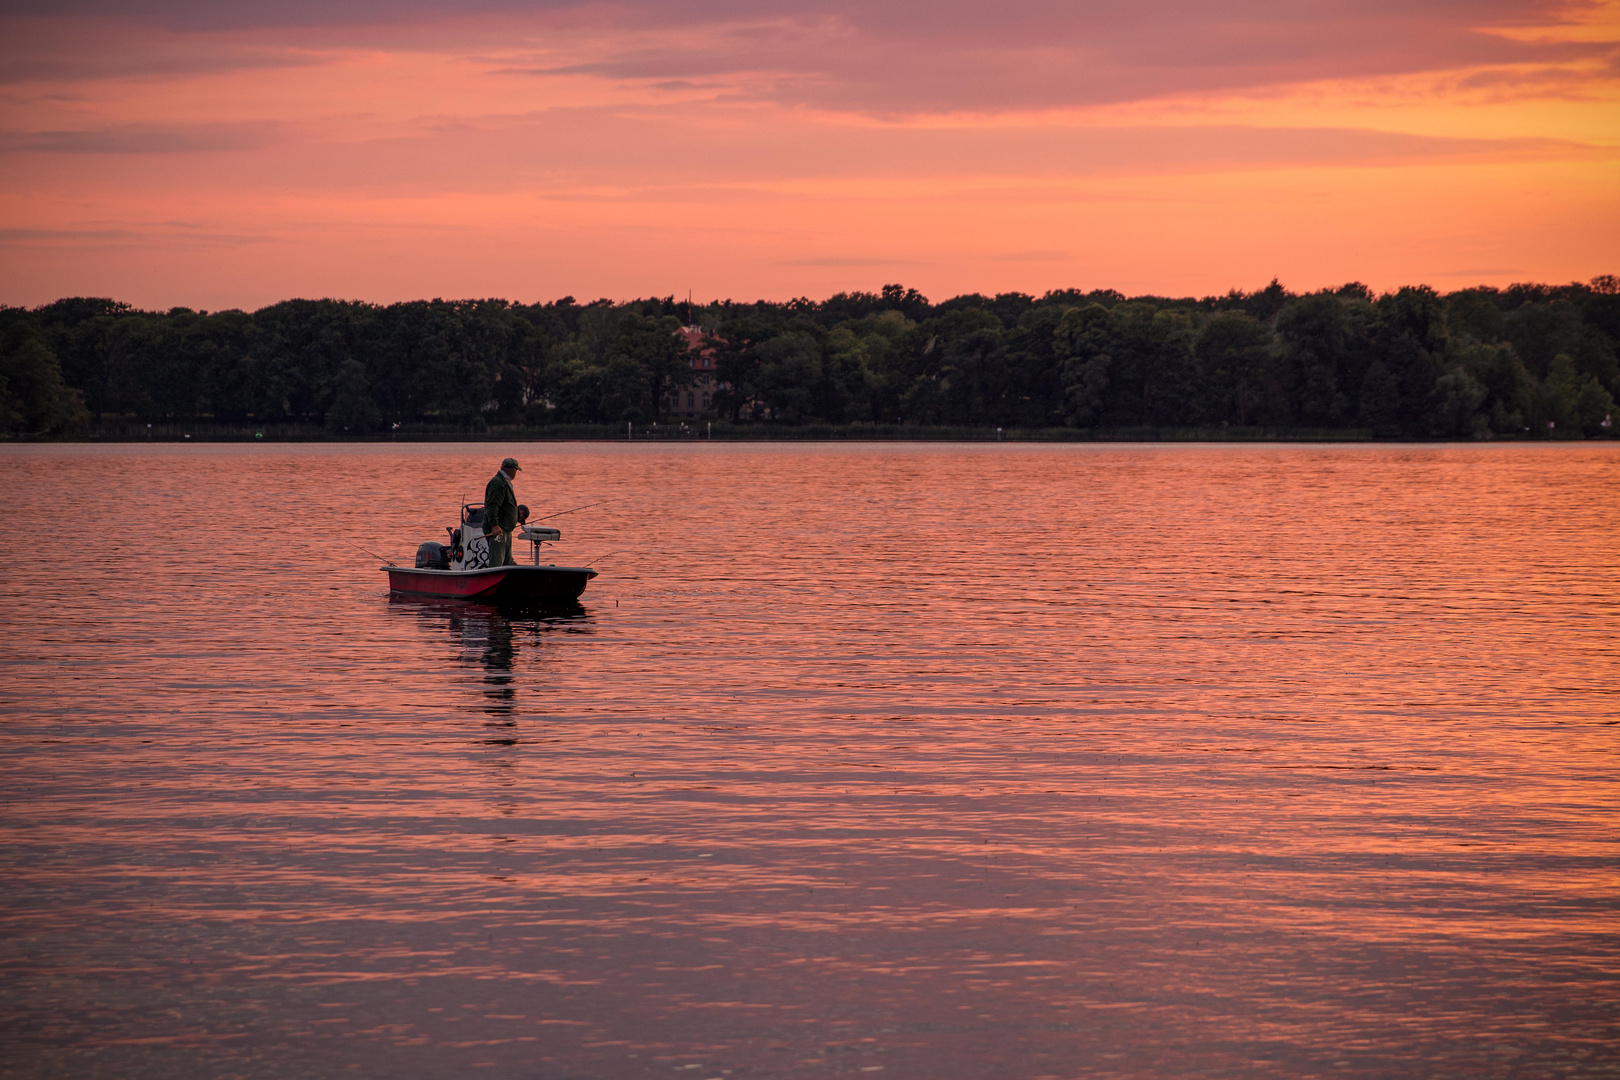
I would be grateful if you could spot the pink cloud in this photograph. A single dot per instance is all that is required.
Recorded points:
(877, 58)
(389, 150)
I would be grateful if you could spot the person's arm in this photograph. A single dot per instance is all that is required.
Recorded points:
(492, 508)
(511, 514)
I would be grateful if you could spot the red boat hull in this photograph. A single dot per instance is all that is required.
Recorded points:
(494, 585)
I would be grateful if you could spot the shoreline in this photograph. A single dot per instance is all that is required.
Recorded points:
(702, 432)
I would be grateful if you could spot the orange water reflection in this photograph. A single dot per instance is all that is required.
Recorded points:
(957, 762)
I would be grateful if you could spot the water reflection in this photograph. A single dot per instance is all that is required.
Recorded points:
(492, 640)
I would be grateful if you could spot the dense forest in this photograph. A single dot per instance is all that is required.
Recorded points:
(1526, 361)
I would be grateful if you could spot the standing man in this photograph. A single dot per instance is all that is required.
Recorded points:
(500, 513)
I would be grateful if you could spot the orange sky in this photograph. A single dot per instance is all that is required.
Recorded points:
(174, 153)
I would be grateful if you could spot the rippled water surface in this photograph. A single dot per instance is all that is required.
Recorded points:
(916, 761)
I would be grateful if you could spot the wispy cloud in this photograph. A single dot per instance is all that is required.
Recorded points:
(164, 235)
(46, 50)
(74, 236)
(146, 139)
(845, 261)
(1031, 256)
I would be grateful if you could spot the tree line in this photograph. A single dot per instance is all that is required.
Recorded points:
(1524, 361)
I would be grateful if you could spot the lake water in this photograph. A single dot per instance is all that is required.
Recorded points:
(936, 762)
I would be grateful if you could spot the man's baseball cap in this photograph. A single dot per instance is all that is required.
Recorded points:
(511, 463)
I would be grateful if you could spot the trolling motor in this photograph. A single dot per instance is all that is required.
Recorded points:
(534, 535)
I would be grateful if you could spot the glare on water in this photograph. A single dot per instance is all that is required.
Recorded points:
(904, 760)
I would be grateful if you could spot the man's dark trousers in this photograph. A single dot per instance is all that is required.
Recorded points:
(500, 551)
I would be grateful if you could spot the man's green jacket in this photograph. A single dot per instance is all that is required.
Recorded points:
(500, 504)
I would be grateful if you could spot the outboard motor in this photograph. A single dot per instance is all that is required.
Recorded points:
(431, 556)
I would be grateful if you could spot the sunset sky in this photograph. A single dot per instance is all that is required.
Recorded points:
(231, 155)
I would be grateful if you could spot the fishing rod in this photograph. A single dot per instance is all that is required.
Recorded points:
(599, 558)
(560, 513)
(368, 551)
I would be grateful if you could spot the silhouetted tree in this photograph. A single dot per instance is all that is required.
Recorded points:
(1479, 362)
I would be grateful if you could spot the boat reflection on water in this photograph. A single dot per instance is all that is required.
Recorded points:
(494, 639)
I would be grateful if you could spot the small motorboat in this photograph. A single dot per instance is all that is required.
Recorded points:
(460, 569)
